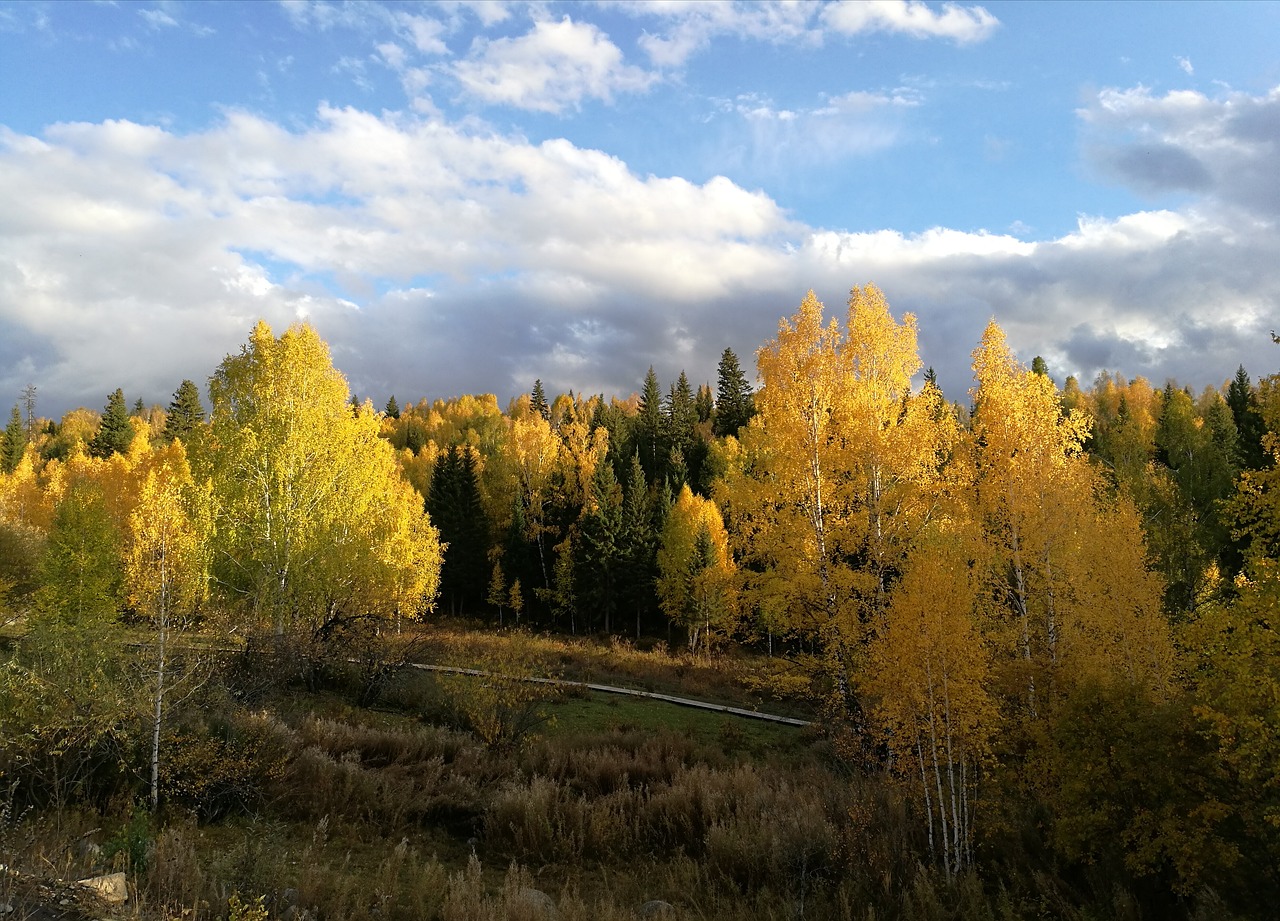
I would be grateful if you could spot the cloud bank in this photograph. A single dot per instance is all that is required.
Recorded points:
(440, 259)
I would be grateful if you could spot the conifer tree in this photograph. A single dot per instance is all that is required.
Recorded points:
(1249, 426)
(186, 414)
(734, 403)
(639, 543)
(649, 428)
(115, 434)
(601, 549)
(538, 400)
(455, 508)
(393, 408)
(15, 442)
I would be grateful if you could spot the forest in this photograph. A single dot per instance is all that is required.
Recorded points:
(1032, 628)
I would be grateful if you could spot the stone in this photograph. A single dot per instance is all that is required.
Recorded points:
(541, 904)
(111, 888)
(656, 908)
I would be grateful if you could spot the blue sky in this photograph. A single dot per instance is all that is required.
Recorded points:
(463, 197)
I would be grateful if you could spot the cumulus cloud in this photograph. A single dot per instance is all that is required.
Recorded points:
(554, 66)
(1224, 149)
(439, 259)
(963, 25)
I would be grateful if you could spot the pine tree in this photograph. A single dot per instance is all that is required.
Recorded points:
(393, 408)
(15, 442)
(734, 402)
(115, 434)
(186, 414)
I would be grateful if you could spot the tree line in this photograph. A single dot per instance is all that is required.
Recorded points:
(1042, 609)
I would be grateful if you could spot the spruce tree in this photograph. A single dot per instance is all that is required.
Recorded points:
(453, 504)
(649, 428)
(600, 549)
(538, 400)
(1249, 427)
(115, 434)
(734, 403)
(15, 441)
(393, 408)
(186, 414)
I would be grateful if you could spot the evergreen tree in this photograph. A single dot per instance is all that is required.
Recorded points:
(649, 428)
(115, 434)
(734, 403)
(186, 414)
(1039, 367)
(15, 442)
(538, 400)
(639, 543)
(600, 548)
(705, 403)
(1249, 427)
(454, 506)
(139, 408)
(393, 408)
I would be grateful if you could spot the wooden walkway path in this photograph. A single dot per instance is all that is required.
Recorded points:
(630, 692)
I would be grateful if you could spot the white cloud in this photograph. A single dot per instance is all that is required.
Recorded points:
(158, 19)
(135, 256)
(961, 24)
(1185, 64)
(1222, 149)
(688, 27)
(553, 67)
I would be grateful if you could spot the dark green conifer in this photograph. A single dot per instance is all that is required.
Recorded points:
(1249, 427)
(734, 403)
(393, 408)
(15, 441)
(186, 414)
(115, 434)
(538, 400)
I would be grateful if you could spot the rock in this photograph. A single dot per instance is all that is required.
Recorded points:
(111, 888)
(656, 908)
(540, 904)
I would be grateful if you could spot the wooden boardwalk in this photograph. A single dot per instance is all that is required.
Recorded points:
(630, 692)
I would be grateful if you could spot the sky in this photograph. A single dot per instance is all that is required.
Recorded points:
(463, 197)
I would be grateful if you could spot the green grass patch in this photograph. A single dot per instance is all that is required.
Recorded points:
(601, 713)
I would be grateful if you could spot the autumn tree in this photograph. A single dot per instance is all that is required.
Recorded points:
(695, 572)
(929, 680)
(166, 572)
(313, 522)
(1067, 576)
(840, 468)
